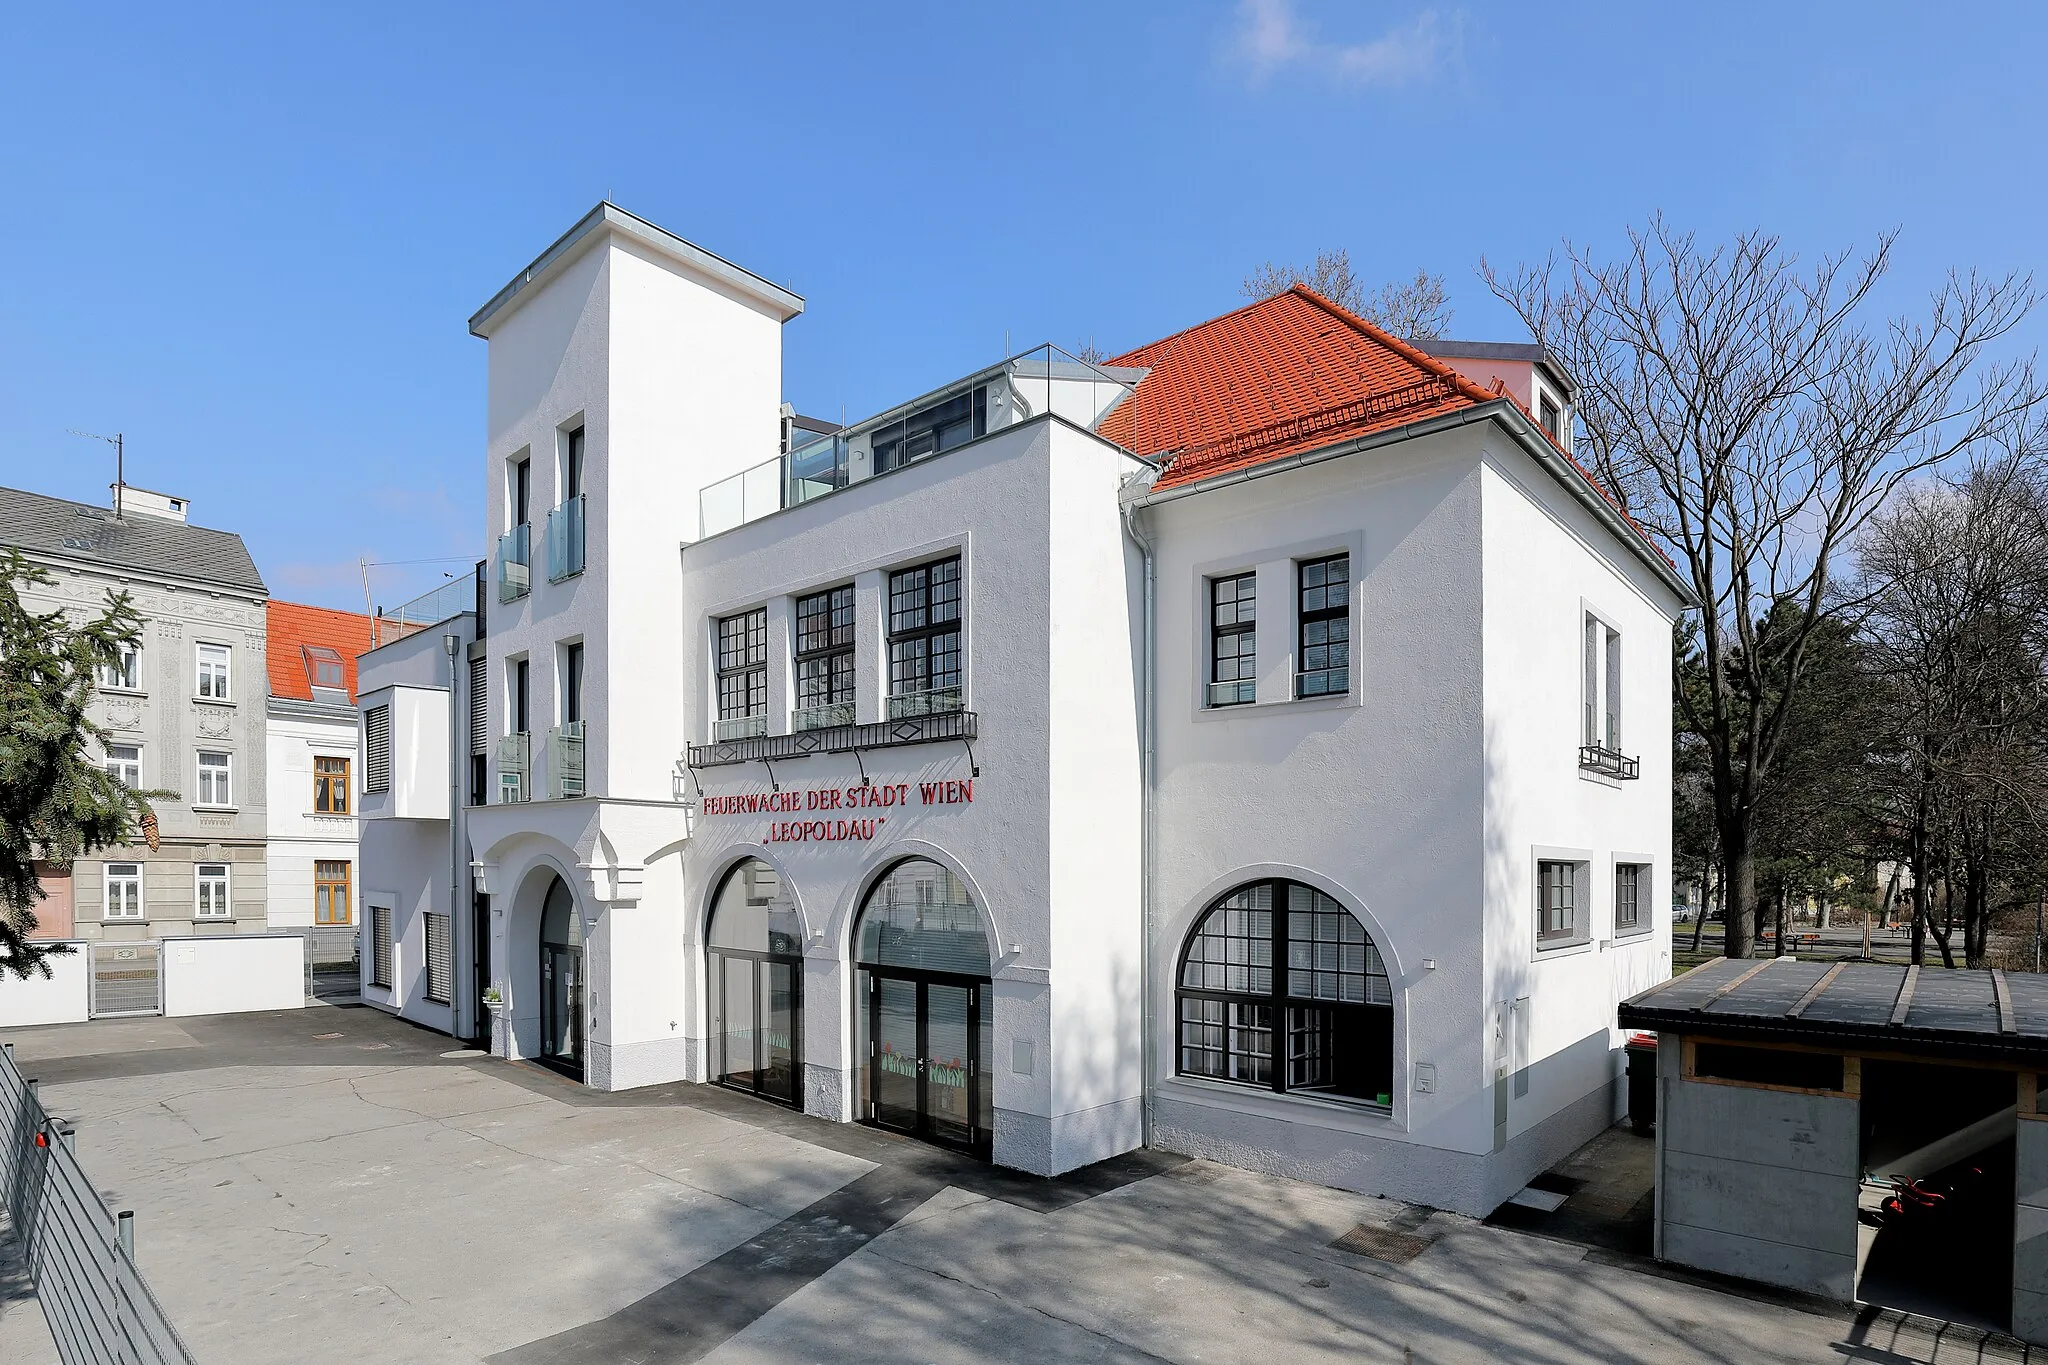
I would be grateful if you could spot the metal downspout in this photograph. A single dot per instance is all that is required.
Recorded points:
(452, 646)
(1148, 707)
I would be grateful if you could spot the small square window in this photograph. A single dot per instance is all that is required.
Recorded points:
(1561, 917)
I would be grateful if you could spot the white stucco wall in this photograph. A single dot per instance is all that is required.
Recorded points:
(298, 836)
(216, 975)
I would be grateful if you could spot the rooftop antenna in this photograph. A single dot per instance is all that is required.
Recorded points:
(120, 478)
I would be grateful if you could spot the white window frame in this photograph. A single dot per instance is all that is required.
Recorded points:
(219, 884)
(225, 780)
(131, 880)
(124, 677)
(126, 771)
(213, 676)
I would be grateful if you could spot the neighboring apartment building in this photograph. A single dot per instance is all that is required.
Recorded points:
(1256, 745)
(313, 788)
(184, 713)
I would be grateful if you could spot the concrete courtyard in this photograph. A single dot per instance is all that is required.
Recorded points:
(332, 1185)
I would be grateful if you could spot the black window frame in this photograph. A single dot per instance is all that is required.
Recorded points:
(1322, 630)
(916, 629)
(1550, 416)
(823, 648)
(521, 719)
(1235, 621)
(951, 422)
(1575, 928)
(522, 491)
(1353, 1039)
(572, 463)
(740, 648)
(572, 682)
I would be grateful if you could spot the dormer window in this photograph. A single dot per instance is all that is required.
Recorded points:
(324, 670)
(1551, 417)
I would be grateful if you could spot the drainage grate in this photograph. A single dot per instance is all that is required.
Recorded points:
(1383, 1244)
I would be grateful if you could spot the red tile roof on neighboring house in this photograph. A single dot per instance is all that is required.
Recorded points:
(291, 628)
(1289, 373)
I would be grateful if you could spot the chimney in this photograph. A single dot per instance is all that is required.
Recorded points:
(130, 499)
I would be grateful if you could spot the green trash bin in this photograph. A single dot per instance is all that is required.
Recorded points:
(1642, 1081)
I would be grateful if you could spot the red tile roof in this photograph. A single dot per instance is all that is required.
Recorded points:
(1289, 373)
(292, 627)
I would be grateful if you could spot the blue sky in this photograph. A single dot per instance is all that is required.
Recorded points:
(250, 238)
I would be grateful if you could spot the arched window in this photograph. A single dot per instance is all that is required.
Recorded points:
(755, 970)
(1280, 987)
(923, 1017)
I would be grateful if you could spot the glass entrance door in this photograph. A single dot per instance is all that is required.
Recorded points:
(924, 1036)
(561, 998)
(756, 1018)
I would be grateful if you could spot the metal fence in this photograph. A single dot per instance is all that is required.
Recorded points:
(80, 1254)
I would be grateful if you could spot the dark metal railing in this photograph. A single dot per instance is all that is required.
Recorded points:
(1595, 758)
(79, 1253)
(838, 739)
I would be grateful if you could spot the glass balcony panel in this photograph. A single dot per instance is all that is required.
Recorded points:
(821, 717)
(739, 727)
(515, 768)
(928, 703)
(514, 557)
(565, 540)
(565, 760)
(1233, 693)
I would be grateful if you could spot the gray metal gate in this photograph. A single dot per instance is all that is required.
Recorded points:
(127, 978)
(80, 1254)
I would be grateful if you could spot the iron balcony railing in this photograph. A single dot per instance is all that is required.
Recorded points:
(739, 727)
(838, 739)
(565, 540)
(565, 760)
(930, 702)
(1043, 379)
(515, 550)
(515, 768)
(821, 717)
(1598, 758)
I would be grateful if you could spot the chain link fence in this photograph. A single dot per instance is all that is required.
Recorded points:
(80, 1254)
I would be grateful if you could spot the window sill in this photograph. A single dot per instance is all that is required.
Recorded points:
(1293, 1105)
(198, 809)
(214, 701)
(1635, 935)
(1563, 947)
(121, 691)
(1284, 706)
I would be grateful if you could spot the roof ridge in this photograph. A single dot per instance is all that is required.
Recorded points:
(1198, 326)
(1412, 354)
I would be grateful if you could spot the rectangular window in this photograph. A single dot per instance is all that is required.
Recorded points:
(521, 491)
(1601, 681)
(1557, 901)
(572, 683)
(216, 773)
(324, 668)
(377, 749)
(124, 890)
(928, 431)
(1324, 610)
(213, 672)
(743, 665)
(440, 959)
(125, 675)
(1233, 640)
(212, 880)
(330, 786)
(124, 764)
(1551, 417)
(331, 897)
(1631, 885)
(479, 705)
(381, 972)
(824, 657)
(924, 637)
(522, 697)
(572, 465)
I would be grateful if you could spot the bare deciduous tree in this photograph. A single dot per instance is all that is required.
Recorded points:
(1749, 411)
(1418, 308)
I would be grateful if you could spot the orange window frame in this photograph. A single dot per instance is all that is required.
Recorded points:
(330, 786)
(331, 890)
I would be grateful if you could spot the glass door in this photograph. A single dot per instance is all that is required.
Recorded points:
(561, 988)
(757, 1025)
(895, 1064)
(781, 994)
(949, 1063)
(734, 1026)
(923, 1040)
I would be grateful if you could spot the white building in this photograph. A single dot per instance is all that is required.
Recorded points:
(1257, 745)
(310, 753)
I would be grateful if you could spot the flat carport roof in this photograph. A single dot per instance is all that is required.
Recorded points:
(1853, 1006)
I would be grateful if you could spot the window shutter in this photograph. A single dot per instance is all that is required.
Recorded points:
(479, 707)
(440, 960)
(377, 749)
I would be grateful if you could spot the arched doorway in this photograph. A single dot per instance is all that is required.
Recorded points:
(561, 981)
(922, 1008)
(755, 972)
(1281, 988)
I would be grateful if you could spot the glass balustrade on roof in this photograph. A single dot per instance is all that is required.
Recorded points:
(1044, 379)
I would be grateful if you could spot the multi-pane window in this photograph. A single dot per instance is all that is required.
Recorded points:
(1631, 885)
(124, 890)
(331, 902)
(1558, 910)
(213, 672)
(743, 665)
(824, 656)
(1233, 640)
(124, 764)
(216, 773)
(126, 673)
(1280, 986)
(212, 879)
(924, 633)
(330, 786)
(325, 669)
(1324, 611)
(1601, 665)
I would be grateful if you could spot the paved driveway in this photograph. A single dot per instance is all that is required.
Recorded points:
(330, 1185)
